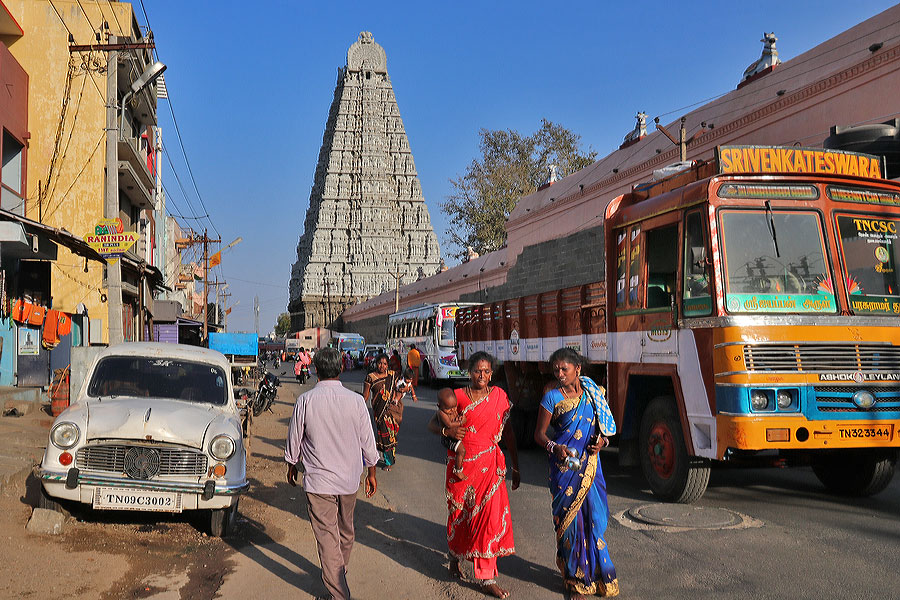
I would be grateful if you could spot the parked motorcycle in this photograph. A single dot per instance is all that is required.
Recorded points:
(265, 393)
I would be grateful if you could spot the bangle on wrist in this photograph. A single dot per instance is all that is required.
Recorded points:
(551, 446)
(443, 431)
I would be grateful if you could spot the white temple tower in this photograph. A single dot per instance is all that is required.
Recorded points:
(367, 220)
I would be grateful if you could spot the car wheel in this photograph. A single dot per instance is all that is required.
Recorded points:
(221, 520)
(672, 474)
(856, 472)
(48, 502)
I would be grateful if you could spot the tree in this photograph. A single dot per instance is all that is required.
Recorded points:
(511, 166)
(283, 324)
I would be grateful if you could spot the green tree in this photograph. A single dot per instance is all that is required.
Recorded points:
(510, 166)
(283, 324)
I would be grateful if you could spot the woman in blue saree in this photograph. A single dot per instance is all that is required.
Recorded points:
(581, 419)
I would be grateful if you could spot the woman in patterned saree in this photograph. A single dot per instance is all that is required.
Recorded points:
(379, 385)
(581, 419)
(479, 526)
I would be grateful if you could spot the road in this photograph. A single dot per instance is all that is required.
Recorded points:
(788, 538)
(795, 541)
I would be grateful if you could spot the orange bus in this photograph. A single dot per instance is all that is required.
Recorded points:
(749, 311)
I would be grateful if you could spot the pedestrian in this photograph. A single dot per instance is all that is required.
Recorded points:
(379, 386)
(331, 434)
(394, 363)
(479, 525)
(581, 420)
(414, 361)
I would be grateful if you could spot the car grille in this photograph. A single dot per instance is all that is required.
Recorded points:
(111, 458)
(822, 357)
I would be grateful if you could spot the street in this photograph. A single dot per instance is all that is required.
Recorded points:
(788, 540)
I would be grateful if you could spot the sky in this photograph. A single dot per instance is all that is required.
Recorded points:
(250, 85)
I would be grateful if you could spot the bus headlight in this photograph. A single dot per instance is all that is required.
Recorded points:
(784, 399)
(759, 400)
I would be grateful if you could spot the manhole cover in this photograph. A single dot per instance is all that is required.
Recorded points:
(684, 515)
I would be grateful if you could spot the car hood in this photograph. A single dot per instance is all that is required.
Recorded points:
(160, 420)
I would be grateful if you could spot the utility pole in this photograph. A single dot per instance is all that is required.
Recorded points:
(397, 276)
(256, 314)
(205, 240)
(328, 301)
(111, 204)
(225, 297)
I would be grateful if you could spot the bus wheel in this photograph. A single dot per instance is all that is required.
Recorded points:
(671, 473)
(862, 472)
(425, 374)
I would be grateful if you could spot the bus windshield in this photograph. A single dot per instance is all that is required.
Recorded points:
(871, 255)
(447, 326)
(352, 344)
(774, 262)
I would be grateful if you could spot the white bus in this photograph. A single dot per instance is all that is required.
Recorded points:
(432, 328)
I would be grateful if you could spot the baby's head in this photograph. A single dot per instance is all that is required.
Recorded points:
(407, 374)
(447, 402)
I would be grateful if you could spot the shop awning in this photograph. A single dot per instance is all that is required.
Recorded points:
(60, 236)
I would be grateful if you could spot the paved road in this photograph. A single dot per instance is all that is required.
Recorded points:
(800, 542)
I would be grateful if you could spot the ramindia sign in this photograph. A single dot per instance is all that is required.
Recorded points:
(110, 239)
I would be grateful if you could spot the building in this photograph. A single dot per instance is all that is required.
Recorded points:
(67, 50)
(367, 227)
(850, 79)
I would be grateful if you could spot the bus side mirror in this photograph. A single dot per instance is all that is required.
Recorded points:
(698, 260)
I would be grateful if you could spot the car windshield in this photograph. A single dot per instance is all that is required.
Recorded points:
(154, 377)
(775, 262)
(871, 256)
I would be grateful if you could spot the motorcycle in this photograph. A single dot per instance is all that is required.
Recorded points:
(265, 393)
(303, 375)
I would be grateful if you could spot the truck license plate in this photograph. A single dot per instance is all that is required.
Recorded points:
(876, 433)
(125, 499)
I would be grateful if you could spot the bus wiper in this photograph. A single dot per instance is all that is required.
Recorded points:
(771, 219)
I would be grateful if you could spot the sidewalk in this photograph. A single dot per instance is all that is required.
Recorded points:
(22, 439)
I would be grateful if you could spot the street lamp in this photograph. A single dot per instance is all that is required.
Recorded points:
(147, 77)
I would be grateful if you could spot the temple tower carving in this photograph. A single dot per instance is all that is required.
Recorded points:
(367, 220)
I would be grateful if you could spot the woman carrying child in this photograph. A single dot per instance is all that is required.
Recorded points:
(479, 525)
(386, 389)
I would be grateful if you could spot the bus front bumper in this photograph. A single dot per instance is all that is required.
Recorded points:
(743, 432)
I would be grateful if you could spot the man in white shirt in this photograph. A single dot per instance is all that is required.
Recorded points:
(329, 422)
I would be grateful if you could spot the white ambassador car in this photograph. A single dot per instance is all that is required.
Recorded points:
(154, 428)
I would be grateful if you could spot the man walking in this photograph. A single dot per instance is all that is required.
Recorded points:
(330, 432)
(414, 361)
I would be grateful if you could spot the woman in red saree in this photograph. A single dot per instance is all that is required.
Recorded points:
(479, 526)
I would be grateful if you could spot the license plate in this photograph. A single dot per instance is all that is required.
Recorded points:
(876, 433)
(125, 499)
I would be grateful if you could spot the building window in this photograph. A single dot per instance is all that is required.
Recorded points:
(11, 175)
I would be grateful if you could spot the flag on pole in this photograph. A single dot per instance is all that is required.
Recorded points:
(215, 259)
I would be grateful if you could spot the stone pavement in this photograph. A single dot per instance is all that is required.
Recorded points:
(23, 438)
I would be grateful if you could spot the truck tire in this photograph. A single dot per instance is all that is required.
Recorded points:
(862, 472)
(672, 474)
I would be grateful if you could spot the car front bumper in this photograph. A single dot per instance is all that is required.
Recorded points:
(78, 486)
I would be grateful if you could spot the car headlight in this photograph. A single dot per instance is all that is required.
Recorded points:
(759, 400)
(65, 435)
(221, 447)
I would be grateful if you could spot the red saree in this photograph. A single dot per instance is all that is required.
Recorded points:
(479, 527)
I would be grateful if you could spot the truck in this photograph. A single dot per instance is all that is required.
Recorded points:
(747, 313)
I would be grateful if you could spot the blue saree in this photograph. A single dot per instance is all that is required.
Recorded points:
(580, 509)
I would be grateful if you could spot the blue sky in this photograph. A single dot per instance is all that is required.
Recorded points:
(251, 84)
